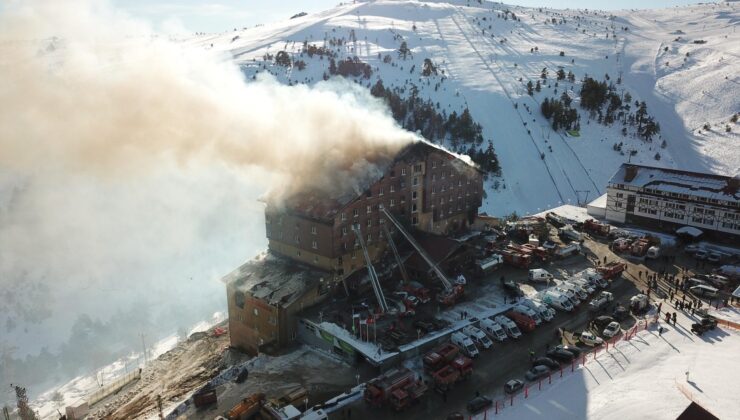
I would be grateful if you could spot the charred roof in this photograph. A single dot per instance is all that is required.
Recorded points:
(275, 279)
(323, 206)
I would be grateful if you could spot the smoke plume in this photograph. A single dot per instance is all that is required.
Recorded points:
(130, 163)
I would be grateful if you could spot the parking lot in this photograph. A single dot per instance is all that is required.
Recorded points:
(511, 359)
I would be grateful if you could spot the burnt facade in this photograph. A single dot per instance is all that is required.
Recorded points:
(263, 296)
(427, 188)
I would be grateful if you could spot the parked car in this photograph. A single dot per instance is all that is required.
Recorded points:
(560, 355)
(479, 404)
(546, 361)
(600, 322)
(704, 291)
(620, 313)
(513, 386)
(537, 372)
(611, 330)
(512, 288)
(590, 339)
(576, 351)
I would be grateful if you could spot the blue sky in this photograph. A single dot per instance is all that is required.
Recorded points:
(220, 15)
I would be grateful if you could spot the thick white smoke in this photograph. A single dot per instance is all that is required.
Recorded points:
(130, 167)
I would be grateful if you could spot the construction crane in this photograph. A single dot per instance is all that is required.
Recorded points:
(445, 282)
(371, 270)
(392, 244)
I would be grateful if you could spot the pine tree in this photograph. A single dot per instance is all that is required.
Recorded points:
(403, 50)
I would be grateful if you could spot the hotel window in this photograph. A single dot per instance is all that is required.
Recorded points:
(434, 164)
(369, 238)
(415, 182)
(393, 202)
(314, 245)
(355, 213)
(413, 208)
(381, 191)
(414, 220)
(403, 171)
(413, 195)
(417, 168)
(434, 177)
(393, 188)
(313, 230)
(434, 189)
(403, 199)
(369, 209)
(344, 216)
(344, 230)
(369, 222)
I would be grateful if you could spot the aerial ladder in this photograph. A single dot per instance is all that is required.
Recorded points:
(392, 244)
(451, 293)
(371, 270)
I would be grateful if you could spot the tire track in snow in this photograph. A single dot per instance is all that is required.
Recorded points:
(508, 95)
(563, 141)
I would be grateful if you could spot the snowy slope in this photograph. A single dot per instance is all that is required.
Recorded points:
(645, 378)
(487, 58)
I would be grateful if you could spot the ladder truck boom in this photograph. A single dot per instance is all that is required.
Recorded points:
(371, 271)
(392, 244)
(445, 282)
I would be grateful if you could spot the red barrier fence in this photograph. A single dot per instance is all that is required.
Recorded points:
(641, 325)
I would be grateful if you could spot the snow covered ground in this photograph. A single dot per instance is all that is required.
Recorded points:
(644, 378)
(487, 57)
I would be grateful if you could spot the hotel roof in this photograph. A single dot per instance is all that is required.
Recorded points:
(696, 184)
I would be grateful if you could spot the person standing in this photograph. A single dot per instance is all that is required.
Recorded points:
(674, 319)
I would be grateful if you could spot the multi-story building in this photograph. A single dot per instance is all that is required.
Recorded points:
(424, 186)
(670, 198)
(264, 294)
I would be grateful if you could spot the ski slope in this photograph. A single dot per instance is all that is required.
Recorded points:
(486, 58)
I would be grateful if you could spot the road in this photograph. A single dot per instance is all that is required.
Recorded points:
(510, 359)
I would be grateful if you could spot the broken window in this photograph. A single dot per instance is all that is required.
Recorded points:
(239, 299)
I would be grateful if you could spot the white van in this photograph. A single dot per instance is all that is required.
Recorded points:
(525, 310)
(539, 274)
(569, 294)
(493, 329)
(542, 310)
(593, 277)
(465, 343)
(579, 291)
(509, 326)
(559, 301)
(585, 284)
(480, 338)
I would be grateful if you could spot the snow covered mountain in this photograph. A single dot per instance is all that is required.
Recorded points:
(681, 62)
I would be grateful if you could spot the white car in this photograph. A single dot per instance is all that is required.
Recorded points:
(612, 329)
(590, 339)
